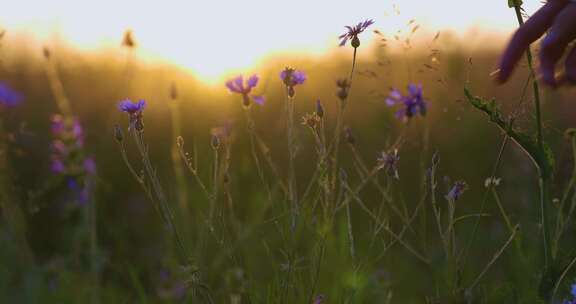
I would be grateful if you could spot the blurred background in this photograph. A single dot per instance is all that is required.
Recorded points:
(101, 52)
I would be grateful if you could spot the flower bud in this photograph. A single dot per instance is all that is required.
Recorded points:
(355, 42)
(173, 91)
(319, 109)
(46, 52)
(291, 92)
(118, 134)
(180, 142)
(245, 101)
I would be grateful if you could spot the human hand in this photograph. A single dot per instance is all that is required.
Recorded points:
(558, 18)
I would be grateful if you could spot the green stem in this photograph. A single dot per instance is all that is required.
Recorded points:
(544, 180)
(176, 162)
(292, 190)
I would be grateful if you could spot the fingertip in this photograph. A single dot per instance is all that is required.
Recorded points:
(549, 79)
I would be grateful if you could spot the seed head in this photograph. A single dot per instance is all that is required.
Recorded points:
(311, 120)
(388, 161)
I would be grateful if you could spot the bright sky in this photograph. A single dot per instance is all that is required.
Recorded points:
(216, 37)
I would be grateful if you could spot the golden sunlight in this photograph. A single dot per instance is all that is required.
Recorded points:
(218, 38)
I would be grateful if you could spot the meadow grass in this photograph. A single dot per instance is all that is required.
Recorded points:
(308, 206)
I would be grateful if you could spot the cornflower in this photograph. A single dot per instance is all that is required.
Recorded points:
(237, 85)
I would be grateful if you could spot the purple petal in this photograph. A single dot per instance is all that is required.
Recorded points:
(239, 82)
(298, 77)
(415, 90)
(232, 87)
(252, 82)
(259, 99)
(283, 75)
(9, 97)
(391, 101)
(57, 166)
(90, 165)
(400, 114)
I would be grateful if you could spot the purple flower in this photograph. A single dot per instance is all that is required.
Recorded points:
(319, 299)
(412, 104)
(353, 32)
(343, 88)
(388, 161)
(291, 78)
(237, 85)
(132, 107)
(57, 166)
(59, 147)
(456, 191)
(57, 124)
(9, 97)
(90, 165)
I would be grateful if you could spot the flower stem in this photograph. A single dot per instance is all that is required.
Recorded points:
(292, 190)
(544, 179)
(176, 162)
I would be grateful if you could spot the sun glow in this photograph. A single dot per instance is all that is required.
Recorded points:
(222, 37)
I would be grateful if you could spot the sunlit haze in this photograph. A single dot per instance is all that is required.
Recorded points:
(220, 37)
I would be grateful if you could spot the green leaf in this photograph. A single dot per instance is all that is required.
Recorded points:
(542, 158)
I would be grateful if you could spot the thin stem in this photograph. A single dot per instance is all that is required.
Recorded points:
(191, 167)
(164, 208)
(494, 258)
(471, 239)
(350, 232)
(252, 131)
(292, 189)
(176, 163)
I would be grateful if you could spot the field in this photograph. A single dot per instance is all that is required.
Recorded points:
(393, 171)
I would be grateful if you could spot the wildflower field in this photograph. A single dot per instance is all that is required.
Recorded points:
(393, 169)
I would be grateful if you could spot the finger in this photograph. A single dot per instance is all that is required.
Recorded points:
(562, 31)
(570, 67)
(534, 27)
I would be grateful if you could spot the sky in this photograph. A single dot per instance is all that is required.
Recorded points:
(215, 38)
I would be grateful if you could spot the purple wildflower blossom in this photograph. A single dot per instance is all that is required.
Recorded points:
(353, 32)
(291, 78)
(57, 124)
(237, 85)
(412, 104)
(132, 107)
(573, 293)
(57, 166)
(319, 299)
(9, 97)
(456, 191)
(90, 165)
